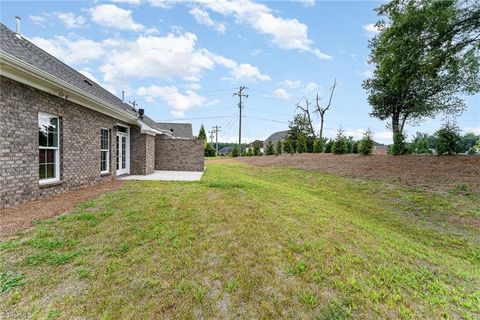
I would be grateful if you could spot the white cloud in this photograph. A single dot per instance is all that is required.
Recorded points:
(164, 57)
(70, 20)
(71, 51)
(385, 137)
(306, 3)
(245, 72)
(310, 87)
(193, 86)
(111, 16)
(165, 4)
(292, 84)
(475, 130)
(285, 33)
(281, 94)
(178, 102)
(370, 29)
(161, 57)
(202, 17)
(127, 1)
(39, 20)
(256, 52)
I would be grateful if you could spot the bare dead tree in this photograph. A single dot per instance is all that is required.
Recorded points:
(321, 111)
(306, 111)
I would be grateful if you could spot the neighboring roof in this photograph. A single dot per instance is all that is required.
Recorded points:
(22, 49)
(178, 130)
(225, 150)
(378, 144)
(280, 135)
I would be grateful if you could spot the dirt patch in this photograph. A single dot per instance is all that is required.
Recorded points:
(428, 172)
(466, 220)
(24, 215)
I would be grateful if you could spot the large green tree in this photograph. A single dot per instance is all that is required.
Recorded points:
(300, 126)
(425, 56)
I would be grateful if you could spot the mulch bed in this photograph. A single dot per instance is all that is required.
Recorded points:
(428, 172)
(24, 215)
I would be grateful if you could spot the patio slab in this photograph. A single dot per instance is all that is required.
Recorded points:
(167, 176)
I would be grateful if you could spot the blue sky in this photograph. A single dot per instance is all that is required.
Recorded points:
(184, 59)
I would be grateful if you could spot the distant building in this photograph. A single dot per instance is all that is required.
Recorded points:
(379, 148)
(275, 137)
(225, 151)
(178, 130)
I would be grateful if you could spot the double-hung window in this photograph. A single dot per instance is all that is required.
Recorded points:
(105, 151)
(49, 150)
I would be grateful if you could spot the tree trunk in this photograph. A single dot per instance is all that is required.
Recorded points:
(321, 126)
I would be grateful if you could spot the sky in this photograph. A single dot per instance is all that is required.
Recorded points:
(183, 60)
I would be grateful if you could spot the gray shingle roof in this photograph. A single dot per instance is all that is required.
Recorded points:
(26, 51)
(225, 150)
(280, 135)
(178, 130)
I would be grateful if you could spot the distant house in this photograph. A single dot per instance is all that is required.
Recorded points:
(275, 137)
(177, 130)
(225, 151)
(379, 148)
(61, 130)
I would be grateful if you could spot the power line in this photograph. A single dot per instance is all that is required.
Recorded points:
(200, 118)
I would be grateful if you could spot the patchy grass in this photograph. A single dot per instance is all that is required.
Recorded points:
(250, 242)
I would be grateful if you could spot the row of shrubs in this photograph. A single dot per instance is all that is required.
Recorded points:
(340, 145)
(447, 140)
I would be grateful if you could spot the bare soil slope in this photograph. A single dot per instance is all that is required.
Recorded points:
(433, 173)
(24, 215)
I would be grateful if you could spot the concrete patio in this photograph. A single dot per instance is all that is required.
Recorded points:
(160, 175)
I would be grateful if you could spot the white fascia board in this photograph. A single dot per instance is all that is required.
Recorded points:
(16, 69)
(144, 128)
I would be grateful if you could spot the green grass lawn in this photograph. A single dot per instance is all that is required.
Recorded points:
(249, 243)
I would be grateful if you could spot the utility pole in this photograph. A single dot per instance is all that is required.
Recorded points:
(215, 130)
(211, 136)
(240, 95)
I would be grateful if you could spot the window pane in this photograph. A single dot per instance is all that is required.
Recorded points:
(41, 158)
(103, 165)
(53, 124)
(50, 156)
(52, 139)
(50, 171)
(41, 171)
(42, 136)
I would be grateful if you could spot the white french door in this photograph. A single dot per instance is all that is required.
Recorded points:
(122, 154)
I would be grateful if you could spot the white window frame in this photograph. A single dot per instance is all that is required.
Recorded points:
(57, 151)
(103, 150)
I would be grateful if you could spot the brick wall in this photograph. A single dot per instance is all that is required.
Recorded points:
(142, 153)
(379, 150)
(79, 143)
(178, 154)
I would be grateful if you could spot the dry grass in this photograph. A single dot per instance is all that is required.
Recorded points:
(249, 242)
(431, 173)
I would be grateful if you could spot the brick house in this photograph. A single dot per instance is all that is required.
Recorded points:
(379, 148)
(61, 130)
